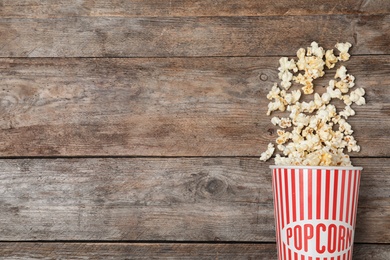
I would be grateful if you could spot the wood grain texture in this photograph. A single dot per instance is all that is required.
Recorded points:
(176, 199)
(136, 8)
(163, 107)
(75, 251)
(189, 36)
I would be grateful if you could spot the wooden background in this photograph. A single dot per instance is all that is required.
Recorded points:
(132, 129)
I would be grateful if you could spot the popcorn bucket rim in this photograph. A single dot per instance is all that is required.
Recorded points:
(316, 167)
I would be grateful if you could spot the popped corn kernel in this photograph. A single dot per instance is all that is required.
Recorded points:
(274, 92)
(341, 73)
(284, 71)
(343, 48)
(330, 59)
(334, 93)
(343, 86)
(356, 96)
(275, 120)
(267, 154)
(314, 49)
(347, 112)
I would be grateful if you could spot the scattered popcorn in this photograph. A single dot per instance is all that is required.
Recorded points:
(267, 154)
(293, 97)
(274, 93)
(347, 112)
(333, 93)
(315, 50)
(343, 48)
(341, 73)
(281, 122)
(284, 71)
(356, 96)
(314, 133)
(330, 59)
(343, 86)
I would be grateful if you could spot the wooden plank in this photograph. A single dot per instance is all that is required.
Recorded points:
(162, 107)
(74, 251)
(179, 8)
(189, 36)
(176, 199)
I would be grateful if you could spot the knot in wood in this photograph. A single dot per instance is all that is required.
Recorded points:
(215, 186)
(263, 77)
(212, 187)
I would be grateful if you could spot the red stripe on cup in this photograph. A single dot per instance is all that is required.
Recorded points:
(301, 197)
(318, 193)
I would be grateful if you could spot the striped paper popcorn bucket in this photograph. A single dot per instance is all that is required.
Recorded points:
(315, 211)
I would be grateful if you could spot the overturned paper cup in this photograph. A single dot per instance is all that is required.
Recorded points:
(315, 211)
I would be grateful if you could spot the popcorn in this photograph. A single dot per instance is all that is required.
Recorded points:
(314, 133)
(330, 59)
(341, 73)
(281, 122)
(274, 92)
(284, 71)
(343, 86)
(283, 136)
(267, 154)
(277, 105)
(315, 50)
(293, 97)
(343, 48)
(347, 112)
(357, 97)
(333, 93)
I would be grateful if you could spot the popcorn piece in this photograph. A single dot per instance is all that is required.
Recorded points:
(326, 98)
(315, 67)
(325, 133)
(315, 50)
(275, 120)
(347, 112)
(344, 127)
(285, 123)
(293, 97)
(318, 102)
(356, 96)
(347, 100)
(330, 59)
(306, 82)
(334, 93)
(274, 92)
(286, 65)
(350, 80)
(268, 153)
(281, 122)
(277, 105)
(301, 63)
(343, 48)
(341, 73)
(343, 86)
(351, 144)
(283, 136)
(284, 71)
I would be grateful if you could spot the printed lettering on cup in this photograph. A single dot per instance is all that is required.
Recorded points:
(326, 237)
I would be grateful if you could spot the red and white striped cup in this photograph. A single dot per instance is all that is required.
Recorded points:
(315, 211)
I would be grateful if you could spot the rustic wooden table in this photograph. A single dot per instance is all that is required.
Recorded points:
(132, 129)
